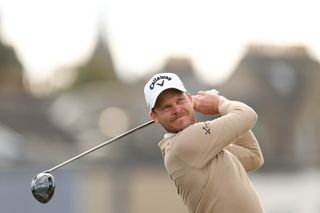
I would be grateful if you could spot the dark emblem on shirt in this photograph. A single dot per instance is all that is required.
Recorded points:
(206, 128)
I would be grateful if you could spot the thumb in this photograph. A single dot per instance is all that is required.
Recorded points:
(201, 92)
(195, 101)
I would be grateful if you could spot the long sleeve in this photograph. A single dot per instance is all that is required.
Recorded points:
(247, 150)
(199, 143)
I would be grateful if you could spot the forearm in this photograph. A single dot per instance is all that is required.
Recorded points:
(200, 142)
(239, 116)
(246, 148)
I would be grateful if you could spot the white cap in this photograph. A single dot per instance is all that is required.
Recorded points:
(158, 83)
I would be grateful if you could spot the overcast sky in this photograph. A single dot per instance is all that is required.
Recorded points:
(142, 34)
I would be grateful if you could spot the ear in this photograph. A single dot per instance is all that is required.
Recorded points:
(154, 116)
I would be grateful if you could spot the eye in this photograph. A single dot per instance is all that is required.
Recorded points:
(181, 100)
(165, 107)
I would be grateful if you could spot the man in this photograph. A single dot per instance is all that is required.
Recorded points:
(208, 161)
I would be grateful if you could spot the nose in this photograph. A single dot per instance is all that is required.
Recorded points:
(176, 109)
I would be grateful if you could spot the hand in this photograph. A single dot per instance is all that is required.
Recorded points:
(206, 102)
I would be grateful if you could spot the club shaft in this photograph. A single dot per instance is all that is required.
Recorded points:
(99, 146)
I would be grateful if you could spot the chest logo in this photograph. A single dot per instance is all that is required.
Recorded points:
(206, 128)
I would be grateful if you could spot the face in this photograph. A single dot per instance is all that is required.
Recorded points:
(173, 110)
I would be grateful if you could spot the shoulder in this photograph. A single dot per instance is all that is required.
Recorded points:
(189, 137)
(194, 131)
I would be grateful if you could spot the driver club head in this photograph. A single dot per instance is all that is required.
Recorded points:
(42, 187)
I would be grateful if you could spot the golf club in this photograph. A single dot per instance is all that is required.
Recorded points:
(43, 184)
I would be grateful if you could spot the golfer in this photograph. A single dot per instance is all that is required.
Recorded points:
(208, 161)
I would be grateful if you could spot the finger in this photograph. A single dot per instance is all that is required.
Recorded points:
(213, 92)
(195, 98)
(201, 92)
(194, 104)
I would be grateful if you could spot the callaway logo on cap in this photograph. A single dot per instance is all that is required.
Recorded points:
(158, 83)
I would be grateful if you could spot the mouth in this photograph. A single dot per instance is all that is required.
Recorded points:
(180, 117)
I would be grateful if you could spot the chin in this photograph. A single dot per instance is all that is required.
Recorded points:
(181, 125)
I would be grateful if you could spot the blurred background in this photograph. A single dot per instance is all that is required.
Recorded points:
(72, 75)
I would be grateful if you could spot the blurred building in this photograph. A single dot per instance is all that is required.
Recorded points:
(25, 126)
(99, 67)
(281, 84)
